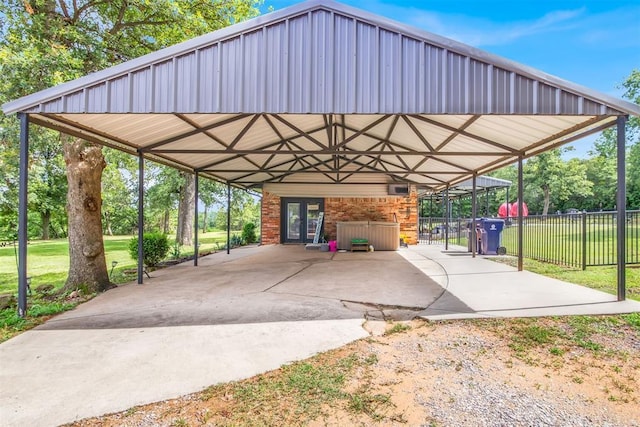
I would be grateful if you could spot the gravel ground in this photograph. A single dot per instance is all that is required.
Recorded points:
(462, 373)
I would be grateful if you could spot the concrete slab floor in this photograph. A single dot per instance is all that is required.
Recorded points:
(188, 327)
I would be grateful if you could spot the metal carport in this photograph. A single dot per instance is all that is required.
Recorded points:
(324, 93)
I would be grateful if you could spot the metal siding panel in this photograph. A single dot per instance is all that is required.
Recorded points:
(208, 79)
(140, 81)
(75, 102)
(591, 107)
(523, 95)
(95, 97)
(276, 60)
(298, 66)
(187, 83)
(501, 91)
(411, 74)
(433, 78)
(455, 83)
(320, 67)
(163, 87)
(478, 87)
(366, 70)
(343, 52)
(390, 84)
(252, 73)
(546, 99)
(52, 106)
(568, 103)
(231, 60)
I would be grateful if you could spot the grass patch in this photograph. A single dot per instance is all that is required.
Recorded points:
(40, 310)
(48, 261)
(301, 392)
(397, 328)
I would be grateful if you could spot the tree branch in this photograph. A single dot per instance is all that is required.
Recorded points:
(79, 11)
(63, 7)
(118, 22)
(131, 24)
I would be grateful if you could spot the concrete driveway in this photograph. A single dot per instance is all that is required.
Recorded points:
(188, 327)
(254, 310)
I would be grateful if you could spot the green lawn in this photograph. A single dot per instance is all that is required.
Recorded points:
(48, 261)
(561, 242)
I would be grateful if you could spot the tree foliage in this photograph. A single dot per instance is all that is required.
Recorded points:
(46, 42)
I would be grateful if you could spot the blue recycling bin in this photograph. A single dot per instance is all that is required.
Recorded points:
(492, 235)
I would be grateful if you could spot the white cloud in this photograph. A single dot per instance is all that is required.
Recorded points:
(482, 32)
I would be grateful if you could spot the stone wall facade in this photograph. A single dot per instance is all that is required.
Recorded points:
(349, 209)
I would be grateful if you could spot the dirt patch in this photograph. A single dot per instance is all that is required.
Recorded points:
(562, 371)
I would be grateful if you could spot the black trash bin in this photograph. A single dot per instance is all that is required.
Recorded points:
(492, 236)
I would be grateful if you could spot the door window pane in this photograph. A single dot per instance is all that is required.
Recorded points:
(293, 221)
(313, 211)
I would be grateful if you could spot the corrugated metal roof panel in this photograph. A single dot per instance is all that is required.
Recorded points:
(322, 57)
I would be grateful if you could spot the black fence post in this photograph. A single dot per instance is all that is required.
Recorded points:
(584, 240)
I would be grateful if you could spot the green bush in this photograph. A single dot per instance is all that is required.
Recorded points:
(236, 241)
(155, 245)
(249, 233)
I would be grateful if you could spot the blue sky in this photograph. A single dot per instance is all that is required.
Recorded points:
(595, 43)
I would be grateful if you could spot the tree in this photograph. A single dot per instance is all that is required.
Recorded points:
(548, 173)
(603, 165)
(210, 193)
(186, 209)
(47, 42)
(119, 193)
(632, 93)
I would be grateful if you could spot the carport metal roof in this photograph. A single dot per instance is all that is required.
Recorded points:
(324, 93)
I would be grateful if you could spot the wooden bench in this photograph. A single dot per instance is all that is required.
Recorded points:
(359, 245)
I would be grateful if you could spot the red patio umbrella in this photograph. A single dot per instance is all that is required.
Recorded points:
(504, 209)
(514, 209)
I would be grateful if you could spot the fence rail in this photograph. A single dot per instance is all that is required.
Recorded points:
(576, 239)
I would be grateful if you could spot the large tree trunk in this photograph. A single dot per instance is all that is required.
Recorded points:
(204, 219)
(107, 220)
(87, 265)
(46, 222)
(165, 221)
(186, 211)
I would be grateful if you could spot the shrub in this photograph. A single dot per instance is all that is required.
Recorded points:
(236, 241)
(249, 233)
(155, 245)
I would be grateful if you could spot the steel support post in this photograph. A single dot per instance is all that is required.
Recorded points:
(22, 214)
(228, 218)
(446, 218)
(196, 252)
(621, 203)
(507, 201)
(520, 221)
(474, 212)
(140, 217)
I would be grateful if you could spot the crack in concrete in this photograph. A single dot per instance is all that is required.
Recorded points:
(288, 277)
(382, 307)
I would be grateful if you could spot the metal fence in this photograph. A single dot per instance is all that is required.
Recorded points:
(576, 239)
